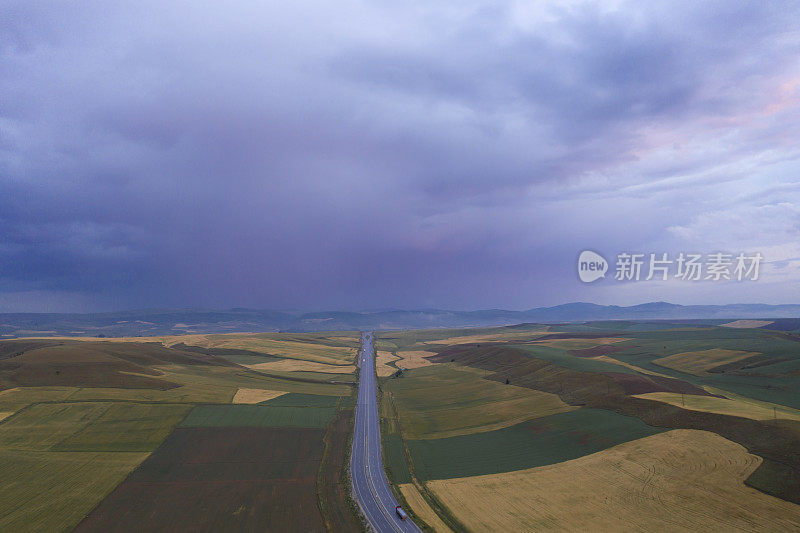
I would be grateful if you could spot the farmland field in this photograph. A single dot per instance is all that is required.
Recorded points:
(299, 365)
(661, 425)
(126, 427)
(258, 416)
(53, 491)
(311, 347)
(537, 442)
(414, 358)
(341, 345)
(726, 403)
(384, 363)
(59, 459)
(449, 400)
(571, 426)
(219, 479)
(255, 395)
(679, 480)
(421, 507)
(698, 363)
(333, 481)
(97, 429)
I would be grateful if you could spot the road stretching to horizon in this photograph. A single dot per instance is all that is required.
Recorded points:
(369, 481)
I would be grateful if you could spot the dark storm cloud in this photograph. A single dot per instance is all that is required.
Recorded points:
(368, 155)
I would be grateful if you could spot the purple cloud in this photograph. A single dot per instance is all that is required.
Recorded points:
(366, 155)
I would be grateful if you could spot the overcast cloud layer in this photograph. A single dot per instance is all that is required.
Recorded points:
(356, 155)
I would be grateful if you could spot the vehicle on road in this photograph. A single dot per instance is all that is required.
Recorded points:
(401, 513)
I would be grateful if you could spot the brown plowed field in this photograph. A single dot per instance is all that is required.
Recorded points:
(220, 479)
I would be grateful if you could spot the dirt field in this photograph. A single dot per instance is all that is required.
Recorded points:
(220, 479)
(698, 363)
(255, 395)
(414, 358)
(333, 483)
(421, 508)
(747, 324)
(297, 365)
(682, 480)
(733, 405)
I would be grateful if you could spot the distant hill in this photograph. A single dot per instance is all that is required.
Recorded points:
(175, 321)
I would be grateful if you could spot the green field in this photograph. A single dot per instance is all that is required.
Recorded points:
(307, 400)
(561, 357)
(57, 460)
(538, 442)
(395, 458)
(42, 426)
(446, 400)
(91, 426)
(261, 415)
(126, 427)
(774, 377)
(53, 491)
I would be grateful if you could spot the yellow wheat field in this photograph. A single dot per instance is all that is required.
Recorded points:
(382, 366)
(698, 363)
(255, 395)
(421, 507)
(301, 350)
(578, 344)
(681, 480)
(747, 324)
(414, 359)
(733, 405)
(256, 342)
(299, 365)
(608, 359)
(493, 337)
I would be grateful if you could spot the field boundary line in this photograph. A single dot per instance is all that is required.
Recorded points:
(444, 514)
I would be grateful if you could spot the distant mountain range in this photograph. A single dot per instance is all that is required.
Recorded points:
(175, 321)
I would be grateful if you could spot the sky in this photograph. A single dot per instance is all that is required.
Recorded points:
(366, 155)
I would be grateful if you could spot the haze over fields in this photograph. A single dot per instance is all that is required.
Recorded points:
(187, 321)
(356, 155)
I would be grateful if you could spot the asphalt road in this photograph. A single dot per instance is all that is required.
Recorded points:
(369, 481)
